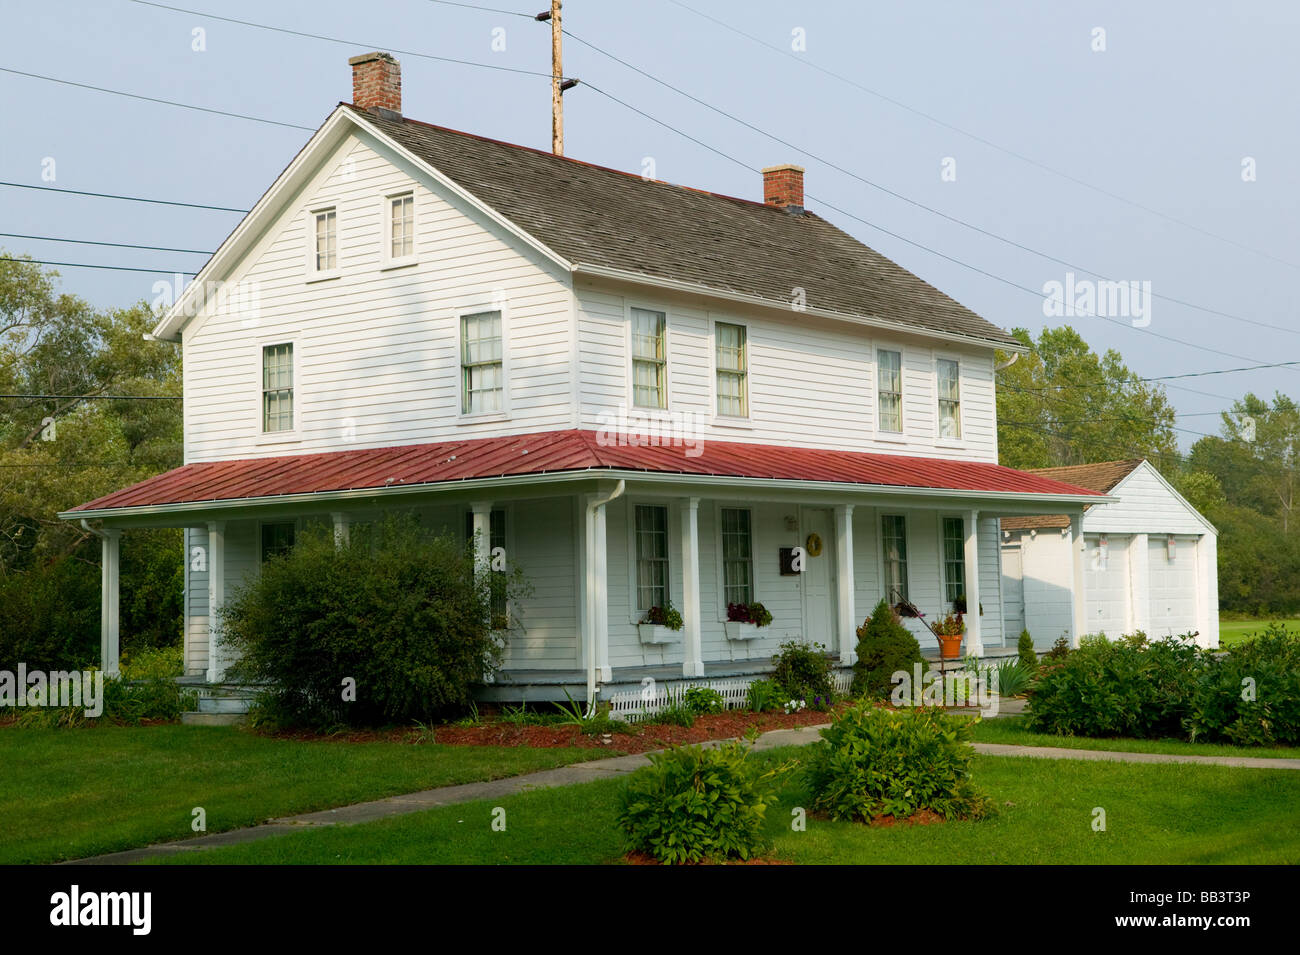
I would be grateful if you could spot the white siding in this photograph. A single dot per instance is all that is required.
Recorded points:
(1146, 505)
(811, 381)
(376, 351)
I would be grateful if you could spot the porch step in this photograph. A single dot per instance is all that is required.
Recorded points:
(213, 719)
(224, 699)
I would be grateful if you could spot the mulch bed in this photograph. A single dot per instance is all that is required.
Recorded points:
(641, 738)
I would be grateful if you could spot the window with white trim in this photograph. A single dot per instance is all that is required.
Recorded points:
(737, 556)
(649, 359)
(277, 539)
(732, 370)
(949, 375)
(651, 556)
(954, 559)
(889, 387)
(401, 226)
(326, 241)
(277, 388)
(482, 370)
(893, 541)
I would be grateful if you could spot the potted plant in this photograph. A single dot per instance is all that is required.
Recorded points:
(744, 620)
(948, 632)
(660, 624)
(959, 605)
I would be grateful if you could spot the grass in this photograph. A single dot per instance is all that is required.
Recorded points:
(67, 794)
(1235, 631)
(1167, 814)
(1013, 730)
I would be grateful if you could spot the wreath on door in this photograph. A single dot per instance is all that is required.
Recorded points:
(814, 545)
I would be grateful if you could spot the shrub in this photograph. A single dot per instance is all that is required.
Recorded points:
(1060, 650)
(395, 608)
(878, 761)
(885, 647)
(145, 689)
(1121, 688)
(693, 804)
(1251, 695)
(1028, 656)
(701, 700)
(1013, 676)
(804, 672)
(764, 695)
(675, 713)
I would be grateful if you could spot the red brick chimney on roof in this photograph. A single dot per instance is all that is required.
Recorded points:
(377, 83)
(783, 187)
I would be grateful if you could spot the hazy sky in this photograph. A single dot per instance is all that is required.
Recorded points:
(1164, 117)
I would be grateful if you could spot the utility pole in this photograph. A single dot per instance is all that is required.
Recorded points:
(558, 83)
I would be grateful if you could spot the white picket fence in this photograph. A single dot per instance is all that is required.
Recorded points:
(648, 699)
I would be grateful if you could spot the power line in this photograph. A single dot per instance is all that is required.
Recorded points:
(983, 141)
(87, 265)
(109, 195)
(116, 245)
(103, 397)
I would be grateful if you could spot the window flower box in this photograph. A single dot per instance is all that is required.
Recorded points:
(660, 625)
(741, 631)
(654, 633)
(745, 620)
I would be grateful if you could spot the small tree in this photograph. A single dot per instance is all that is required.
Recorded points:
(392, 625)
(885, 646)
(1028, 656)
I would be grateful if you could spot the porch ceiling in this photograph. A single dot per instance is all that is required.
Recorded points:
(567, 455)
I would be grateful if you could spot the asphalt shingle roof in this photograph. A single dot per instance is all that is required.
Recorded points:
(602, 217)
(1102, 477)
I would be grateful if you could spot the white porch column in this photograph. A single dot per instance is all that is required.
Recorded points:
(971, 552)
(482, 529)
(1139, 578)
(1079, 596)
(216, 599)
(110, 642)
(600, 554)
(342, 527)
(594, 606)
(692, 651)
(1207, 591)
(845, 583)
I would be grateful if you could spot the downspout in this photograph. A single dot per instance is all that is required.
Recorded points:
(1015, 357)
(98, 533)
(592, 506)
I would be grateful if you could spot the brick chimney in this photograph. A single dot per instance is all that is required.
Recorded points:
(377, 83)
(783, 187)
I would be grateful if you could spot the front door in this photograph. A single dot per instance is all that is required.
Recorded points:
(819, 578)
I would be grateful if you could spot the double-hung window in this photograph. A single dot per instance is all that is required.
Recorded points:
(889, 387)
(651, 556)
(277, 388)
(954, 559)
(325, 248)
(893, 538)
(649, 359)
(949, 375)
(277, 540)
(732, 370)
(401, 226)
(482, 371)
(737, 556)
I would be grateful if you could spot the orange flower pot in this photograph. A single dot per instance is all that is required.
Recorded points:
(950, 647)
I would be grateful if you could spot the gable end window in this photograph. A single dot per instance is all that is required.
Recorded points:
(482, 371)
(401, 226)
(649, 359)
(732, 370)
(651, 556)
(893, 541)
(277, 388)
(325, 254)
(889, 386)
(949, 375)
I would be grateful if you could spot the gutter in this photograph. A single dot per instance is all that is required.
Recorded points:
(592, 507)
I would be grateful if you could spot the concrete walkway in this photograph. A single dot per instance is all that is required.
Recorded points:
(577, 773)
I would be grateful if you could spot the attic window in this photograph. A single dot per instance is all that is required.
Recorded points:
(401, 226)
(325, 254)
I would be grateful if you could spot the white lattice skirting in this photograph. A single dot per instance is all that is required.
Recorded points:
(636, 704)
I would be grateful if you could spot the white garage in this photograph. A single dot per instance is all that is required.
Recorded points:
(1149, 562)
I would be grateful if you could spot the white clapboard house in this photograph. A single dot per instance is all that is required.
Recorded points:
(644, 392)
(1150, 561)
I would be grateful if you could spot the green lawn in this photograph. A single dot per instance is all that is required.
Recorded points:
(1234, 631)
(1012, 730)
(1154, 814)
(66, 794)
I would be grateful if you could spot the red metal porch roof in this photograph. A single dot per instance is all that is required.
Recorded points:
(558, 451)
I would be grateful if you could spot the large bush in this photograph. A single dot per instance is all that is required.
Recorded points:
(885, 647)
(694, 804)
(1251, 695)
(878, 761)
(1127, 687)
(396, 612)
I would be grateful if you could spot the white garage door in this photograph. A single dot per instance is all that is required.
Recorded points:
(1173, 586)
(1106, 583)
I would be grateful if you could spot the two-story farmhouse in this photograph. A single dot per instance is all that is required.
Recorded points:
(644, 393)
